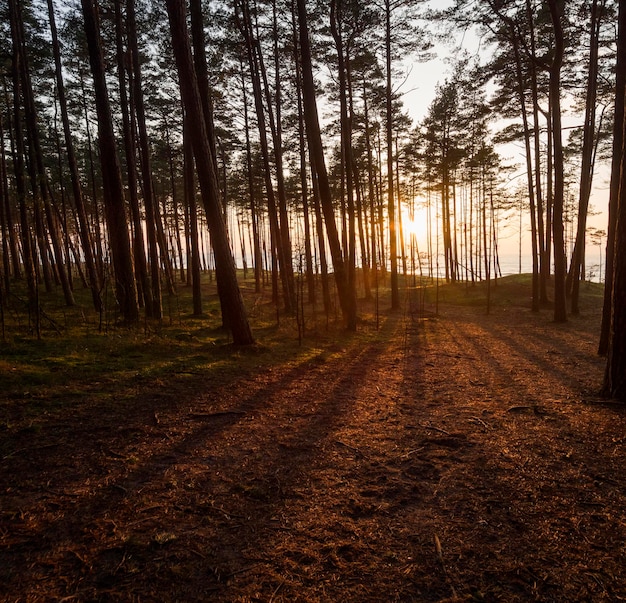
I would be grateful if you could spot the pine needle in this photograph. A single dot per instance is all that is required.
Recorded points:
(438, 548)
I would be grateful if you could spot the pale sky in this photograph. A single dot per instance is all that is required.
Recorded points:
(419, 92)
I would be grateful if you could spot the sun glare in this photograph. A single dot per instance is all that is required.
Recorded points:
(417, 227)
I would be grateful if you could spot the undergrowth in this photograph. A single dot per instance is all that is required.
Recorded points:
(80, 353)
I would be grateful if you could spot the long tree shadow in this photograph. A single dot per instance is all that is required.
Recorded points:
(510, 511)
(148, 500)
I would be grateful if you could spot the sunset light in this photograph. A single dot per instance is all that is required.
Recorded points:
(313, 301)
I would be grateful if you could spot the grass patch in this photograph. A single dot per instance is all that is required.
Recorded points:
(82, 356)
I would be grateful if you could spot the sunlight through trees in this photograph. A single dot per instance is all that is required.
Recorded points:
(298, 143)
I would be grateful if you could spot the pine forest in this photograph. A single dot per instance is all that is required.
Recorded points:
(312, 301)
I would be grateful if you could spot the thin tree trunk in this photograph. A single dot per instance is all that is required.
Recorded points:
(113, 189)
(19, 168)
(346, 145)
(560, 311)
(206, 100)
(370, 183)
(347, 299)
(77, 193)
(175, 204)
(5, 212)
(321, 242)
(544, 263)
(615, 376)
(153, 226)
(11, 238)
(277, 138)
(256, 239)
(617, 191)
(95, 227)
(230, 297)
(391, 204)
(190, 200)
(38, 172)
(310, 276)
(536, 294)
(276, 239)
(586, 172)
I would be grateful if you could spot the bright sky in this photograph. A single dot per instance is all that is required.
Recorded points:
(419, 92)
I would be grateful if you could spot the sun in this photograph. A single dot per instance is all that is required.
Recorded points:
(416, 227)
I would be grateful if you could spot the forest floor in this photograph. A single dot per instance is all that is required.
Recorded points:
(462, 457)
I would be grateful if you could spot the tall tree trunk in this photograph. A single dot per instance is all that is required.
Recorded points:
(586, 171)
(175, 204)
(391, 204)
(371, 189)
(144, 285)
(321, 241)
(615, 375)
(95, 226)
(363, 238)
(542, 242)
(535, 249)
(617, 195)
(278, 250)
(190, 199)
(549, 187)
(113, 188)
(77, 193)
(346, 144)
(521, 93)
(560, 310)
(10, 224)
(347, 298)
(277, 138)
(155, 235)
(254, 217)
(283, 233)
(205, 163)
(19, 168)
(37, 169)
(5, 212)
(310, 276)
(202, 75)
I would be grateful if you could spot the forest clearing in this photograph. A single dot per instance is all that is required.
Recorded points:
(458, 457)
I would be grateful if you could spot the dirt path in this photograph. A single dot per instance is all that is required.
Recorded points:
(460, 457)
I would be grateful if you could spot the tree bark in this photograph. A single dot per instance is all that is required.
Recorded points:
(11, 238)
(205, 164)
(616, 192)
(276, 207)
(19, 169)
(154, 230)
(306, 214)
(347, 299)
(615, 375)
(190, 199)
(202, 74)
(113, 188)
(391, 204)
(542, 240)
(560, 308)
(144, 285)
(254, 217)
(77, 193)
(586, 171)
(346, 141)
(38, 173)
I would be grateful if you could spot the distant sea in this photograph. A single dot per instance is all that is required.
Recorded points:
(510, 264)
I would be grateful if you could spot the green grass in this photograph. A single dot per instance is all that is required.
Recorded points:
(514, 290)
(82, 354)
(79, 355)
